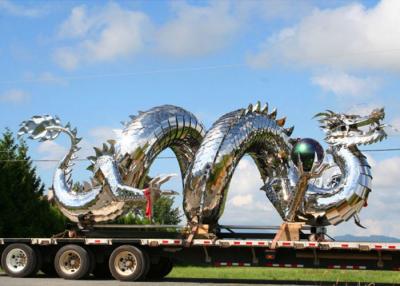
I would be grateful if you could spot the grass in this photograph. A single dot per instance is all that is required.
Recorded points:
(280, 274)
(271, 274)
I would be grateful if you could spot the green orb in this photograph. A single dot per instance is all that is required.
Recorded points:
(306, 149)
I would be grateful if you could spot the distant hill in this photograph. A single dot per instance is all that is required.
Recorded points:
(371, 238)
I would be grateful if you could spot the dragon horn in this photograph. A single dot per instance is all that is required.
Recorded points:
(289, 131)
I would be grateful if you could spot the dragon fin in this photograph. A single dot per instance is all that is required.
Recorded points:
(357, 221)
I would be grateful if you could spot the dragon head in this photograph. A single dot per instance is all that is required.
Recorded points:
(349, 130)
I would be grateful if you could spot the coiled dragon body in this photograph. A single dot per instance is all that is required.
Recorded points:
(208, 160)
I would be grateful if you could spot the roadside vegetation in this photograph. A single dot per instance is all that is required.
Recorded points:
(24, 209)
(278, 274)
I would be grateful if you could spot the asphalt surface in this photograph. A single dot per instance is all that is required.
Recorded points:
(46, 281)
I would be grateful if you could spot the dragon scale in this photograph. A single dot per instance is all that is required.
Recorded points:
(122, 167)
(245, 131)
(344, 199)
(208, 160)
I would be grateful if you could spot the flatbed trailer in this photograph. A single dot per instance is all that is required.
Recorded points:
(141, 253)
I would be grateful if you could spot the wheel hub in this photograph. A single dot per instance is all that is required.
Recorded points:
(70, 262)
(125, 263)
(16, 260)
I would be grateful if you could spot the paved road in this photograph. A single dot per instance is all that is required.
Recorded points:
(45, 281)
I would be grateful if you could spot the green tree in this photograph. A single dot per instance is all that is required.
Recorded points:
(163, 213)
(24, 212)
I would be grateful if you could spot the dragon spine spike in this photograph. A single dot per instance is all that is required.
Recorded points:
(249, 108)
(112, 149)
(97, 152)
(257, 107)
(92, 158)
(68, 178)
(241, 130)
(273, 114)
(281, 122)
(264, 109)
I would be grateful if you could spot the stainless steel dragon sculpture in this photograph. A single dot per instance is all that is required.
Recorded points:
(334, 191)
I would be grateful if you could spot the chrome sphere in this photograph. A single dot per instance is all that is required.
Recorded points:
(306, 149)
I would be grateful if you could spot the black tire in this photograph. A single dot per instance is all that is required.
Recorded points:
(39, 262)
(127, 263)
(102, 271)
(72, 262)
(19, 260)
(161, 269)
(147, 264)
(48, 270)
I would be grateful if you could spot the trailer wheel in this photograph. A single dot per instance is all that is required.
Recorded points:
(72, 262)
(161, 269)
(19, 260)
(48, 269)
(147, 264)
(102, 271)
(127, 263)
(39, 261)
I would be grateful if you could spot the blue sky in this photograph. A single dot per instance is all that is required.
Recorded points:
(95, 63)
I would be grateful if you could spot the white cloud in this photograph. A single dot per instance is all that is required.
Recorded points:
(363, 109)
(344, 84)
(101, 134)
(19, 10)
(394, 128)
(197, 30)
(55, 150)
(50, 150)
(347, 37)
(113, 32)
(108, 34)
(381, 215)
(246, 204)
(386, 173)
(242, 200)
(271, 10)
(78, 23)
(15, 96)
(44, 77)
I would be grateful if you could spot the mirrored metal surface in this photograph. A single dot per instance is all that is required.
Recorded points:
(120, 168)
(332, 192)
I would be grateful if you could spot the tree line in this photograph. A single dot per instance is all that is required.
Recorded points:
(25, 210)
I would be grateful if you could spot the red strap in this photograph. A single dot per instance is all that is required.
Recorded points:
(147, 194)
